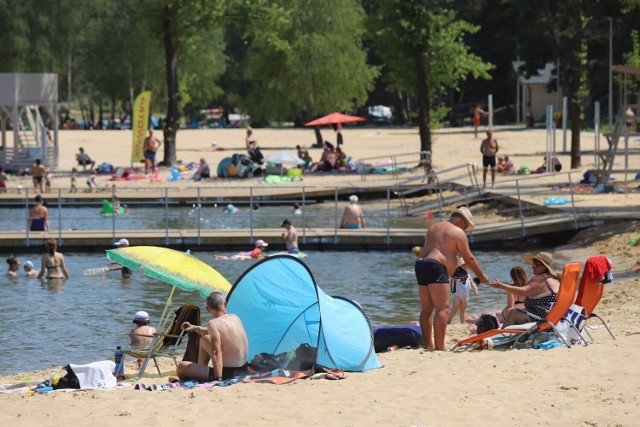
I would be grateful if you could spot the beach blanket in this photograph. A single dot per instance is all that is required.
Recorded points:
(277, 376)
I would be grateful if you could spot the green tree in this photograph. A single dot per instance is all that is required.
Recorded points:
(422, 44)
(309, 62)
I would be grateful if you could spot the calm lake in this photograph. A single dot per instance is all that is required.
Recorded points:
(85, 318)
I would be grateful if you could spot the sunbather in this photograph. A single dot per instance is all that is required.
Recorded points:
(539, 293)
(142, 334)
(224, 342)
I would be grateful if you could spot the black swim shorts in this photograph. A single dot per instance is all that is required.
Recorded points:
(228, 373)
(489, 161)
(430, 271)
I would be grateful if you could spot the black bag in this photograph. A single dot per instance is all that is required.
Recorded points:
(70, 380)
(487, 322)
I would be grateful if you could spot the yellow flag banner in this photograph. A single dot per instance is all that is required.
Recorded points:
(139, 125)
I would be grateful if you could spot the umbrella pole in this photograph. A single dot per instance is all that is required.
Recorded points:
(161, 324)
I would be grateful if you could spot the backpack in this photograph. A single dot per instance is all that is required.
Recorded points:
(487, 322)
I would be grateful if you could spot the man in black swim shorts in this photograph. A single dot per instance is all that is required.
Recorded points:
(437, 260)
(224, 342)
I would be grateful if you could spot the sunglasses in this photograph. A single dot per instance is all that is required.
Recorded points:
(537, 264)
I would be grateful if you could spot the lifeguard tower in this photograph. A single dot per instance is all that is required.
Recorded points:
(24, 99)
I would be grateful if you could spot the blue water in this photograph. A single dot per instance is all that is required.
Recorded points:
(85, 318)
(141, 217)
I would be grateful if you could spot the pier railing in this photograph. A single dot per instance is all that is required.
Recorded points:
(406, 206)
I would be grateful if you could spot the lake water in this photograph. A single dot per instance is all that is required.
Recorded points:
(322, 215)
(85, 318)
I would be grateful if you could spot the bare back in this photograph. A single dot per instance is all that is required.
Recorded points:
(443, 242)
(233, 339)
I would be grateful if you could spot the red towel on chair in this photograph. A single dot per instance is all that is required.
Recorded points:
(594, 268)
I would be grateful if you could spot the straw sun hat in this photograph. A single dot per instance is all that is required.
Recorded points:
(466, 214)
(544, 257)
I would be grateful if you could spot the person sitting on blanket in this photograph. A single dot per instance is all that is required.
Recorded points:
(223, 341)
(539, 293)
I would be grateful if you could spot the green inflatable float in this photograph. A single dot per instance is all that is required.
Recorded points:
(107, 209)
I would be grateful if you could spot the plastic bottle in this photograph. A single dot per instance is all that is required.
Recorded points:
(119, 356)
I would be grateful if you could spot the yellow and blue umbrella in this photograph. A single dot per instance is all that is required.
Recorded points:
(180, 269)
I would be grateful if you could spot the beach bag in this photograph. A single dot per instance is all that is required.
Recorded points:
(576, 315)
(487, 322)
(70, 380)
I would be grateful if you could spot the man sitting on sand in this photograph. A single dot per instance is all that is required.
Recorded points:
(224, 342)
(84, 160)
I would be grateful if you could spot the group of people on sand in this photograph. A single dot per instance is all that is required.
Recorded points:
(437, 262)
(52, 266)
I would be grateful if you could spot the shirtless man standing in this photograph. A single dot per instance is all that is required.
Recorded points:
(477, 112)
(352, 217)
(489, 149)
(436, 262)
(151, 145)
(224, 341)
(38, 172)
(290, 237)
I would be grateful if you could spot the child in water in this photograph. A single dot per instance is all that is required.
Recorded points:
(461, 284)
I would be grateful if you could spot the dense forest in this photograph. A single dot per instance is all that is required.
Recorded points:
(293, 60)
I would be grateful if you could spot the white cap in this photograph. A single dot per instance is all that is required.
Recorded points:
(122, 242)
(141, 316)
(353, 199)
(261, 243)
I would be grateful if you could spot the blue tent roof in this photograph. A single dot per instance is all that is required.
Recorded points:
(281, 307)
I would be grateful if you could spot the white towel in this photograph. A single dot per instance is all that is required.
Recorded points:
(96, 374)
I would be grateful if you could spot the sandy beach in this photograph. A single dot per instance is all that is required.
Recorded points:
(596, 385)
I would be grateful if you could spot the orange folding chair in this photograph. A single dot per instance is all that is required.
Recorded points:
(592, 288)
(566, 297)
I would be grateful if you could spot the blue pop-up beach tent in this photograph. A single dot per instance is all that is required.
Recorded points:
(281, 307)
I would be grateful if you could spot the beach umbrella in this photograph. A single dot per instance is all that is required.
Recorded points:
(334, 119)
(180, 269)
(283, 157)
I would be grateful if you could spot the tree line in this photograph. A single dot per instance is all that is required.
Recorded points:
(294, 60)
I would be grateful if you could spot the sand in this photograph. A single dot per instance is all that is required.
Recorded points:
(595, 385)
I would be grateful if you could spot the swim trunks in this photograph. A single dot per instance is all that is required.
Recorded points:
(430, 271)
(476, 120)
(293, 251)
(352, 226)
(150, 155)
(38, 178)
(489, 161)
(228, 373)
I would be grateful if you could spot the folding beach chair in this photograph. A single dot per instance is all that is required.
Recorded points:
(592, 288)
(167, 343)
(566, 296)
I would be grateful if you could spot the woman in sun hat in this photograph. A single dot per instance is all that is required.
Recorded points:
(539, 293)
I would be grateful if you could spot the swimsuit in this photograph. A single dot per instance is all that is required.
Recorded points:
(38, 178)
(150, 155)
(228, 373)
(126, 271)
(540, 306)
(37, 224)
(352, 226)
(293, 251)
(489, 161)
(476, 120)
(430, 271)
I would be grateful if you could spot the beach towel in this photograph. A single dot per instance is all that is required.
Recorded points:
(96, 375)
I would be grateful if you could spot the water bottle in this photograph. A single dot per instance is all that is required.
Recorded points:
(119, 356)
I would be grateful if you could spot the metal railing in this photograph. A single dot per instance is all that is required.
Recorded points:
(404, 206)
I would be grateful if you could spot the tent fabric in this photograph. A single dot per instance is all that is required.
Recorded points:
(281, 307)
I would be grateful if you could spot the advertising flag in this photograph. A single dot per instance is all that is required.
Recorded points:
(139, 125)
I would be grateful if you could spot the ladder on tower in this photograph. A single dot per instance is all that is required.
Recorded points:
(613, 139)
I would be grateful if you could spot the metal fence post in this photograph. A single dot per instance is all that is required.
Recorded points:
(199, 238)
(166, 216)
(28, 215)
(59, 219)
(251, 215)
(388, 238)
(335, 216)
(523, 231)
(113, 215)
(304, 215)
(573, 204)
